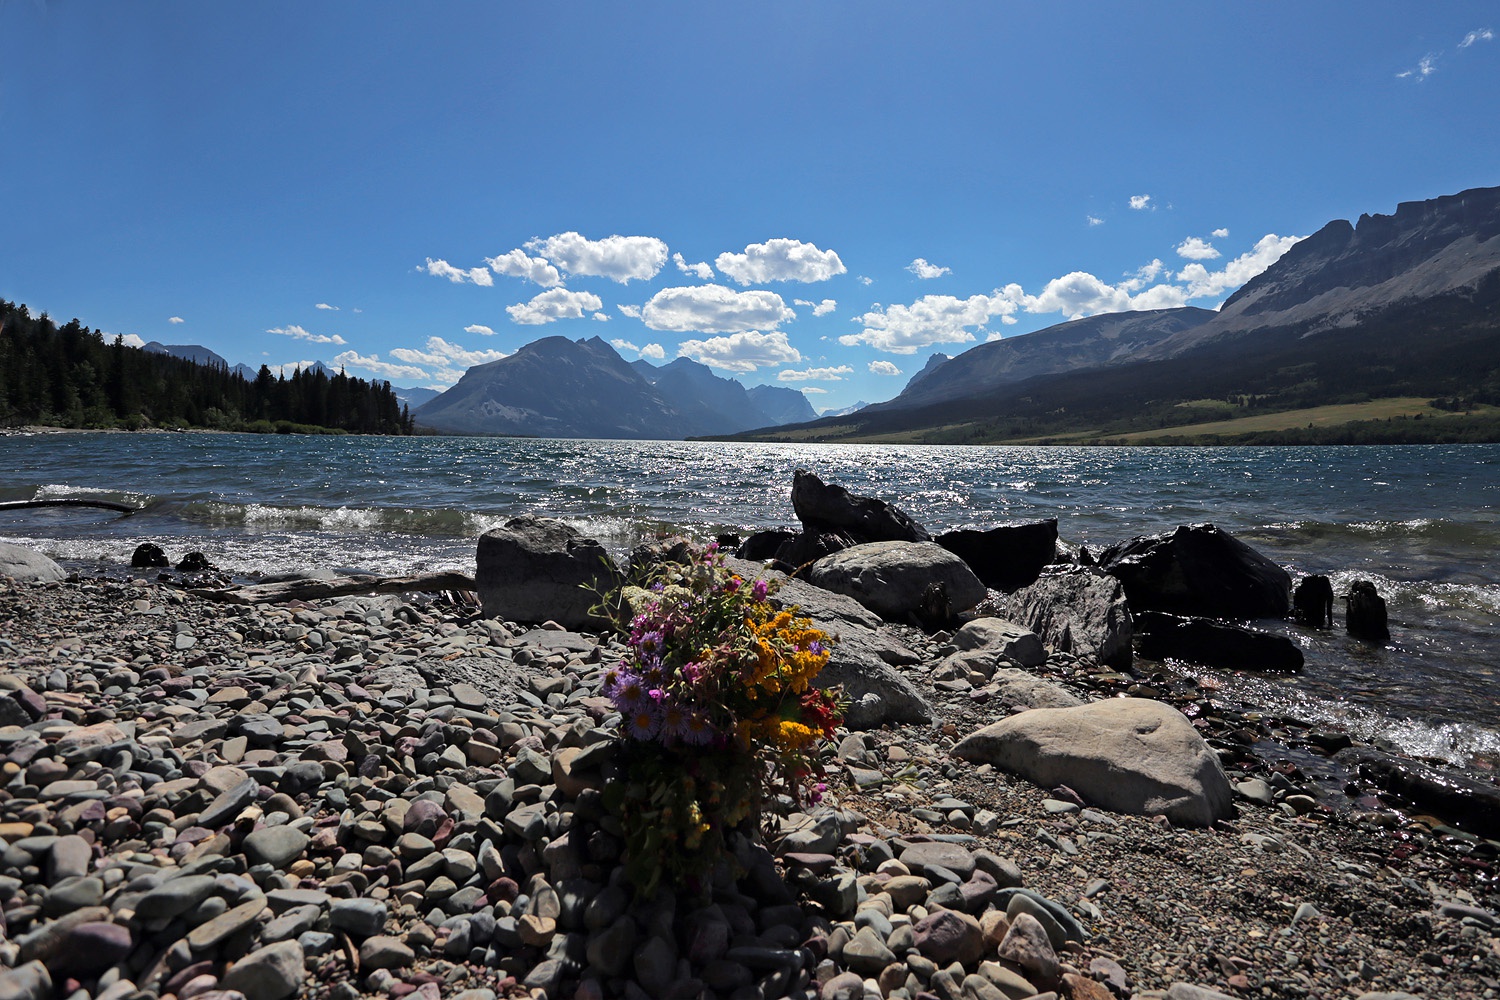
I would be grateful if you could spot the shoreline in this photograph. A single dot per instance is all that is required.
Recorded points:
(1224, 908)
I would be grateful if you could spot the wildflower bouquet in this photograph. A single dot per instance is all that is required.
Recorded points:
(719, 711)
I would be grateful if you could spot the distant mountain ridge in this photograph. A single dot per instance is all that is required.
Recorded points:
(196, 353)
(557, 387)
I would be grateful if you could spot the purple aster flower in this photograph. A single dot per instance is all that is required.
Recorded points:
(644, 722)
(650, 643)
(629, 692)
(697, 730)
(674, 721)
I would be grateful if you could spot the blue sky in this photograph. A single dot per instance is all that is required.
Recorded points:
(809, 194)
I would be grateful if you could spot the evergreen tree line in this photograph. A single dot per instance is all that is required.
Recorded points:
(70, 376)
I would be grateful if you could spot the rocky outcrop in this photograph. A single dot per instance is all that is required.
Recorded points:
(1130, 755)
(1214, 644)
(893, 579)
(1012, 641)
(1007, 557)
(1199, 570)
(28, 566)
(535, 569)
(827, 506)
(1078, 610)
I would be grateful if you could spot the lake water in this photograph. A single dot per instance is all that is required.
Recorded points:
(1422, 522)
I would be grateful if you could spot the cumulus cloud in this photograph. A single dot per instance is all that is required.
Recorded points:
(1140, 202)
(932, 319)
(818, 308)
(1094, 220)
(384, 369)
(1194, 248)
(552, 305)
(714, 309)
(619, 258)
(131, 340)
(174, 320)
(634, 312)
(780, 260)
(440, 354)
(1202, 282)
(1143, 276)
(515, 264)
(457, 275)
(1220, 234)
(299, 333)
(480, 329)
(813, 388)
(654, 351)
(815, 374)
(326, 306)
(924, 270)
(741, 352)
(884, 368)
(699, 270)
(602, 317)
(1481, 35)
(621, 344)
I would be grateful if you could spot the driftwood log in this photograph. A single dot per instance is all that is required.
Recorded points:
(314, 590)
(123, 508)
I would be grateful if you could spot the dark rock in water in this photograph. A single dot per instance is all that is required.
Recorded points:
(1199, 570)
(810, 546)
(891, 578)
(149, 555)
(763, 544)
(194, 562)
(1007, 557)
(1312, 601)
(822, 505)
(1365, 616)
(1078, 610)
(536, 569)
(728, 542)
(1214, 644)
(1465, 802)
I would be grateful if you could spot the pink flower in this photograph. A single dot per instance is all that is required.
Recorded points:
(758, 590)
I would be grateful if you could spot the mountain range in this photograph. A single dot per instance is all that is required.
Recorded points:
(556, 387)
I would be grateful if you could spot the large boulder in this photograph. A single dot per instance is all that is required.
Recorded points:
(825, 506)
(863, 660)
(893, 579)
(809, 546)
(1214, 644)
(1129, 755)
(1078, 610)
(1199, 570)
(1006, 557)
(536, 569)
(1012, 641)
(28, 566)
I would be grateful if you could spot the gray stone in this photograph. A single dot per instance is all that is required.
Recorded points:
(70, 858)
(385, 952)
(270, 973)
(28, 566)
(1186, 991)
(26, 982)
(535, 569)
(1077, 610)
(919, 858)
(1013, 641)
(1130, 755)
(891, 578)
(866, 953)
(175, 897)
(277, 846)
(1027, 945)
(360, 917)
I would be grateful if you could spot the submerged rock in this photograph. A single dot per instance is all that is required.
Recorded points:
(1199, 570)
(1214, 644)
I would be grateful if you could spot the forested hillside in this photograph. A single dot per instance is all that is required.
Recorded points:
(70, 376)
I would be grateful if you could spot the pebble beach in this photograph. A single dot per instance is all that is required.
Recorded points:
(388, 796)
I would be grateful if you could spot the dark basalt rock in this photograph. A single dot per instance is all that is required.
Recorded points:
(1007, 557)
(194, 562)
(1199, 570)
(1465, 802)
(1313, 601)
(810, 546)
(763, 544)
(534, 569)
(1365, 616)
(149, 555)
(825, 506)
(1214, 644)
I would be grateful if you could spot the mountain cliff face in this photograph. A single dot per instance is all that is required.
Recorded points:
(556, 387)
(195, 353)
(781, 405)
(1071, 346)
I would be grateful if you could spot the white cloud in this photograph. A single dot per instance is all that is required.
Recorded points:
(1139, 202)
(1202, 282)
(457, 275)
(515, 264)
(1194, 248)
(1426, 66)
(634, 312)
(1481, 35)
(299, 333)
(441, 354)
(1143, 276)
(884, 368)
(174, 320)
(1220, 234)
(479, 328)
(813, 388)
(373, 364)
(932, 319)
(741, 352)
(621, 344)
(325, 305)
(714, 309)
(867, 282)
(655, 351)
(780, 260)
(815, 374)
(700, 269)
(825, 307)
(552, 305)
(924, 270)
(619, 258)
(601, 317)
(131, 340)
(1094, 220)
(359, 310)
